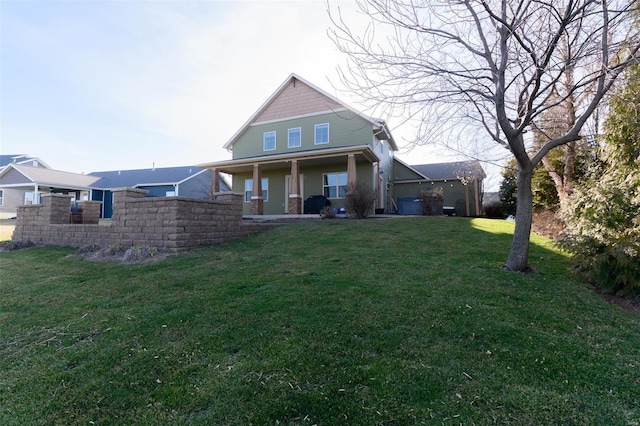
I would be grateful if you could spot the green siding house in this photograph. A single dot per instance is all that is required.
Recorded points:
(303, 142)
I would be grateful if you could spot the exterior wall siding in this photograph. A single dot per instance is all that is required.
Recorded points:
(401, 172)
(14, 177)
(297, 99)
(453, 194)
(158, 191)
(312, 184)
(13, 197)
(345, 129)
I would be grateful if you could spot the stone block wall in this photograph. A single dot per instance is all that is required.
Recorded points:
(173, 223)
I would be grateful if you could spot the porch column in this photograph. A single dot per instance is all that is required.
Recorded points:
(477, 196)
(351, 168)
(215, 182)
(295, 197)
(257, 203)
(378, 185)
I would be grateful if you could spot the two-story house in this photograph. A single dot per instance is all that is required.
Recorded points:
(304, 142)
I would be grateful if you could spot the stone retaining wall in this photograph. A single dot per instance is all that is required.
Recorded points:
(173, 223)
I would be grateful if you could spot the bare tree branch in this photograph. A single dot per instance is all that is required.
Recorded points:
(494, 65)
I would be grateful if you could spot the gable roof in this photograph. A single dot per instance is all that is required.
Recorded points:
(453, 170)
(380, 125)
(53, 178)
(7, 159)
(405, 172)
(146, 177)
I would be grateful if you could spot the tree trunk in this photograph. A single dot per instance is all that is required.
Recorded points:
(518, 259)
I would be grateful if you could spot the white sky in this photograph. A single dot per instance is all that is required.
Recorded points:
(105, 85)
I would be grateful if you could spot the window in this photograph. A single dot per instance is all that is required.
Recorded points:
(170, 193)
(269, 141)
(248, 189)
(1, 197)
(322, 133)
(295, 139)
(32, 198)
(334, 184)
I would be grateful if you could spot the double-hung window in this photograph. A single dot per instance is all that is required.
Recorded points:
(321, 133)
(334, 184)
(269, 141)
(248, 189)
(295, 138)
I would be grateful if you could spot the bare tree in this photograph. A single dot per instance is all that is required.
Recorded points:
(493, 64)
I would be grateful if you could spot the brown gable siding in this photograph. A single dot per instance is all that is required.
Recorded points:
(297, 99)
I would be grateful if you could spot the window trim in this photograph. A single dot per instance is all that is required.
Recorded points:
(336, 186)
(264, 140)
(315, 133)
(248, 193)
(299, 130)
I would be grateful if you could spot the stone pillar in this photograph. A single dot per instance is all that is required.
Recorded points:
(56, 208)
(90, 211)
(351, 169)
(257, 203)
(120, 197)
(295, 197)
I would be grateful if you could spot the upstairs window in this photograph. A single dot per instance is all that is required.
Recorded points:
(248, 189)
(321, 133)
(334, 184)
(1, 197)
(295, 138)
(269, 141)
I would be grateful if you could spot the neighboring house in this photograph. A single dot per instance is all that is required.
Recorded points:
(27, 160)
(460, 183)
(185, 181)
(303, 142)
(22, 184)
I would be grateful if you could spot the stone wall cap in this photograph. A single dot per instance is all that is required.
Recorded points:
(142, 191)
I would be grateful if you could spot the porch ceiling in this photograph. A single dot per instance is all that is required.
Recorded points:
(362, 153)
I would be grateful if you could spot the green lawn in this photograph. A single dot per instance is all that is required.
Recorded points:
(394, 322)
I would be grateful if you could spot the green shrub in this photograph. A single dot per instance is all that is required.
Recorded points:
(603, 219)
(603, 232)
(494, 210)
(431, 202)
(509, 189)
(359, 199)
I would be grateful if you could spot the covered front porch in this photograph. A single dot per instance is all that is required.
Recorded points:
(279, 184)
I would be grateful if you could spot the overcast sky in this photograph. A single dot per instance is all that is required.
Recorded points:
(105, 85)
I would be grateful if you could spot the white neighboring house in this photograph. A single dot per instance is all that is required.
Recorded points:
(23, 181)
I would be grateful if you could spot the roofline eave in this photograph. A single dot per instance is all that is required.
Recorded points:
(365, 150)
